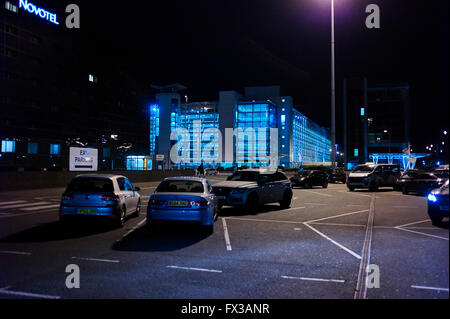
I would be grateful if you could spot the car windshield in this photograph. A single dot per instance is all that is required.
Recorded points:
(91, 185)
(244, 177)
(305, 173)
(180, 187)
(363, 169)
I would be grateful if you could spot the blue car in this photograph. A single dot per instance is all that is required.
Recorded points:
(184, 199)
(438, 204)
(109, 196)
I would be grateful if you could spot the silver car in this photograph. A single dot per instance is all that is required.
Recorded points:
(252, 188)
(108, 196)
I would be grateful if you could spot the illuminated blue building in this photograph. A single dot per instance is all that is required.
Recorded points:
(251, 117)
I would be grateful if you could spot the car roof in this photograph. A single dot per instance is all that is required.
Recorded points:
(108, 176)
(262, 171)
(187, 178)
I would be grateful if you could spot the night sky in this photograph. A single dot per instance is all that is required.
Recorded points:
(226, 45)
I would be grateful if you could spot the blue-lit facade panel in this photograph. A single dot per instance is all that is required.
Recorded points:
(201, 124)
(154, 128)
(260, 117)
(310, 141)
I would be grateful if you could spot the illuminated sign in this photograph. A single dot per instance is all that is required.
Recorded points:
(83, 159)
(32, 8)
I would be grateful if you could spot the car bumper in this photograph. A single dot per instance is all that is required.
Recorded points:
(101, 211)
(358, 185)
(201, 216)
(437, 210)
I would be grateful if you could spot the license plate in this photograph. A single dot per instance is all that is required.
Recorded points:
(178, 203)
(87, 211)
(444, 208)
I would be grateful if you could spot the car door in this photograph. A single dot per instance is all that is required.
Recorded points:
(266, 188)
(133, 197)
(279, 186)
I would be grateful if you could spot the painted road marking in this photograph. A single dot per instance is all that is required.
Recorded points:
(195, 269)
(420, 233)
(30, 209)
(27, 294)
(226, 235)
(415, 223)
(142, 222)
(11, 203)
(24, 205)
(25, 214)
(336, 224)
(316, 204)
(99, 260)
(333, 241)
(15, 253)
(336, 216)
(361, 286)
(314, 279)
(429, 288)
(264, 220)
(357, 194)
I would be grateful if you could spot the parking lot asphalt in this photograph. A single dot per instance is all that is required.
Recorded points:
(319, 248)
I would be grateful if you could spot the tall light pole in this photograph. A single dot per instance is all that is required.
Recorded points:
(333, 92)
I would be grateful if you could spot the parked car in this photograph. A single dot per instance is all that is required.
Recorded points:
(100, 195)
(372, 176)
(438, 204)
(211, 171)
(309, 179)
(337, 175)
(184, 199)
(252, 188)
(421, 182)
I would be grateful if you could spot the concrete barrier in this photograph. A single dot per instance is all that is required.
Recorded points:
(37, 180)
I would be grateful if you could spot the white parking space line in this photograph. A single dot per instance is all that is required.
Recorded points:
(406, 207)
(317, 193)
(27, 294)
(195, 269)
(415, 223)
(336, 216)
(429, 288)
(420, 233)
(15, 253)
(142, 222)
(290, 209)
(11, 203)
(98, 260)
(336, 224)
(334, 242)
(264, 220)
(314, 279)
(30, 209)
(26, 214)
(356, 194)
(24, 205)
(226, 235)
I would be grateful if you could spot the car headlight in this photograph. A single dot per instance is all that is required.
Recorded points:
(432, 198)
(238, 191)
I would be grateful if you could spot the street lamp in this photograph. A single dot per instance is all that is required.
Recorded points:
(333, 90)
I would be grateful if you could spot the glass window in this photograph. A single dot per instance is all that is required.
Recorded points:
(175, 186)
(121, 183)
(128, 186)
(55, 149)
(91, 185)
(32, 148)
(8, 146)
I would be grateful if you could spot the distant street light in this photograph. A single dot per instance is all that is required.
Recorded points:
(445, 132)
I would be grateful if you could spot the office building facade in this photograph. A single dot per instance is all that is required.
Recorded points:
(254, 119)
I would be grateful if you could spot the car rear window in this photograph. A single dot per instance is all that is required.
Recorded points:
(180, 187)
(91, 185)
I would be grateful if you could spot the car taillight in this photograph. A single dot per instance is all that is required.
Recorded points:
(155, 202)
(202, 203)
(67, 196)
(110, 197)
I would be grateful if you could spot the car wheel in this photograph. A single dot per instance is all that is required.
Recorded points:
(306, 185)
(122, 215)
(436, 221)
(351, 189)
(287, 199)
(252, 202)
(209, 230)
(405, 190)
(325, 185)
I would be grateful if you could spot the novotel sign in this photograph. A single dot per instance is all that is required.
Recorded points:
(42, 13)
